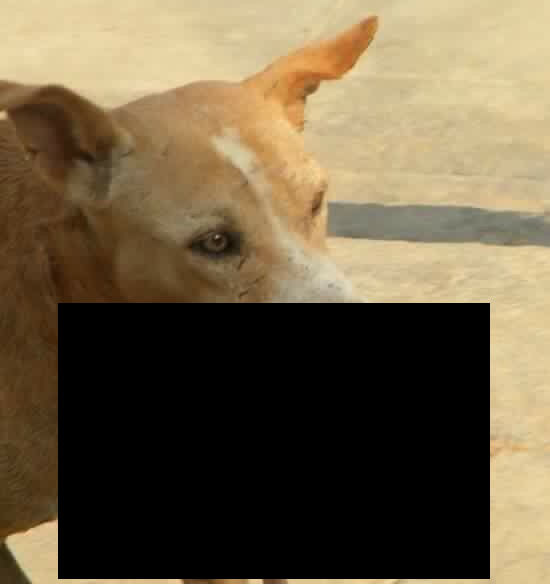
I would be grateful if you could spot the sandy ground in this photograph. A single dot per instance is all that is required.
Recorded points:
(440, 155)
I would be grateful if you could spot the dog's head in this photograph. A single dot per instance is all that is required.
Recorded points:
(204, 193)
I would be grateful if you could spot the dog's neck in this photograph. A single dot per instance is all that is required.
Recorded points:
(81, 271)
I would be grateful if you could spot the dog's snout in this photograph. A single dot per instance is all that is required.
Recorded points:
(316, 280)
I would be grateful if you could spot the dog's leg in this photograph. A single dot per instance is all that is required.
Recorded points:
(10, 572)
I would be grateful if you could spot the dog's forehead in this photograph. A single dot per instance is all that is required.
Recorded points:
(221, 128)
(267, 160)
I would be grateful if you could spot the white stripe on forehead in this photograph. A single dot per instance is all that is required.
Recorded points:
(232, 148)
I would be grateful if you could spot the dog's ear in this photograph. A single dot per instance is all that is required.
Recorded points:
(71, 142)
(291, 79)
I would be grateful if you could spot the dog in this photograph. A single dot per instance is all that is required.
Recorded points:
(202, 194)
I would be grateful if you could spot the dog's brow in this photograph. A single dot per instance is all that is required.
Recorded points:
(220, 217)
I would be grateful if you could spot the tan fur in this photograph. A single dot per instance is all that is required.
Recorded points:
(100, 206)
(291, 79)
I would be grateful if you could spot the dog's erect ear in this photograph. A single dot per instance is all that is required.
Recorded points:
(292, 79)
(71, 142)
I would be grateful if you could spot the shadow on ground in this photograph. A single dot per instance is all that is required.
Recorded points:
(438, 224)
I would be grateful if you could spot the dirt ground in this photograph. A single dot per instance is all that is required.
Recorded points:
(439, 149)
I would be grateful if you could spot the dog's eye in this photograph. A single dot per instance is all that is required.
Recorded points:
(216, 244)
